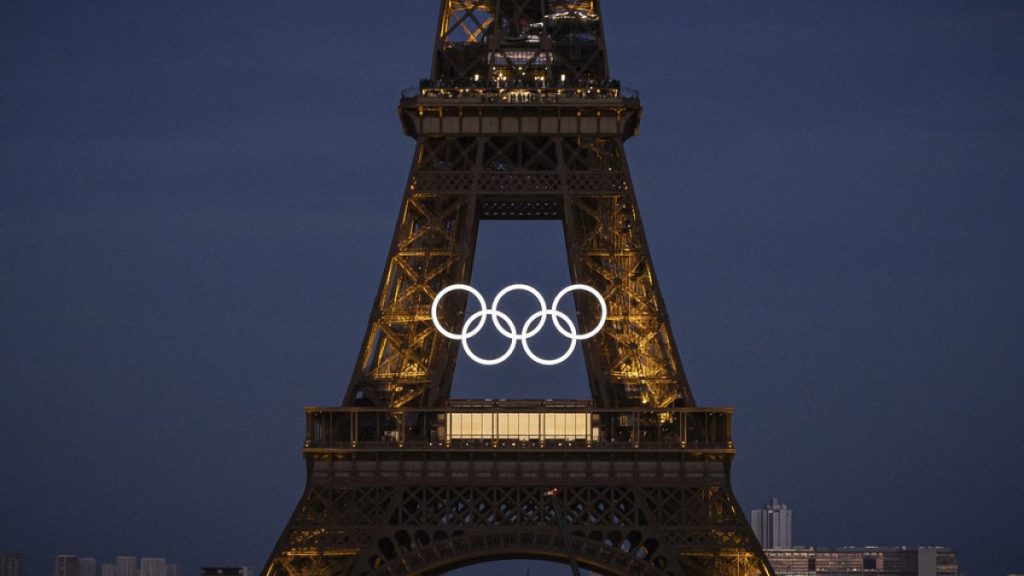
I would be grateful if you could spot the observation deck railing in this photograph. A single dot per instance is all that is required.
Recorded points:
(518, 426)
(519, 94)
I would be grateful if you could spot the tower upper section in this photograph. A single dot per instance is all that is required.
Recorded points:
(533, 54)
(520, 43)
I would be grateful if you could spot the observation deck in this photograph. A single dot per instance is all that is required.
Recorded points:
(513, 442)
(541, 425)
(598, 109)
(607, 93)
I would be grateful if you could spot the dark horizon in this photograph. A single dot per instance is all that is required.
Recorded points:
(198, 201)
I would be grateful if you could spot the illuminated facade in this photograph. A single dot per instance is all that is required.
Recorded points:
(869, 561)
(519, 120)
(521, 426)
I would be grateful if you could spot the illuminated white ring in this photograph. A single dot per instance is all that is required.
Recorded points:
(440, 296)
(507, 327)
(495, 315)
(526, 332)
(555, 315)
(595, 294)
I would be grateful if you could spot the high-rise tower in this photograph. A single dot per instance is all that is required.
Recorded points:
(773, 525)
(519, 120)
(12, 564)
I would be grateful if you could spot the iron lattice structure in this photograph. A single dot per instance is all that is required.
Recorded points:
(518, 120)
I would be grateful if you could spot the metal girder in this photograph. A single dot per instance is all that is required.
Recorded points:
(403, 360)
(517, 42)
(633, 359)
(373, 526)
(456, 181)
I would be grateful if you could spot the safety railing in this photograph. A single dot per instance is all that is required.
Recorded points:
(509, 93)
(518, 425)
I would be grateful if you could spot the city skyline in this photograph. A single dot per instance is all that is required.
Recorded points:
(12, 564)
(192, 239)
(772, 525)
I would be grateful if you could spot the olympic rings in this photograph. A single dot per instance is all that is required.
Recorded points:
(506, 327)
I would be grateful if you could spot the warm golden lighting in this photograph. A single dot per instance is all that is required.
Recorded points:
(523, 426)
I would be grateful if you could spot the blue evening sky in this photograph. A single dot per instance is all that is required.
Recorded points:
(196, 201)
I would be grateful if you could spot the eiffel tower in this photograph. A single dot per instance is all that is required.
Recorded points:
(519, 120)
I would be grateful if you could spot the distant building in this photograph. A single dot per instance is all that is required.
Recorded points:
(107, 570)
(153, 567)
(773, 525)
(870, 561)
(224, 571)
(86, 566)
(12, 564)
(172, 570)
(65, 565)
(126, 566)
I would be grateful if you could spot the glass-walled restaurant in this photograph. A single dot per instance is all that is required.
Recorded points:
(496, 424)
(522, 426)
